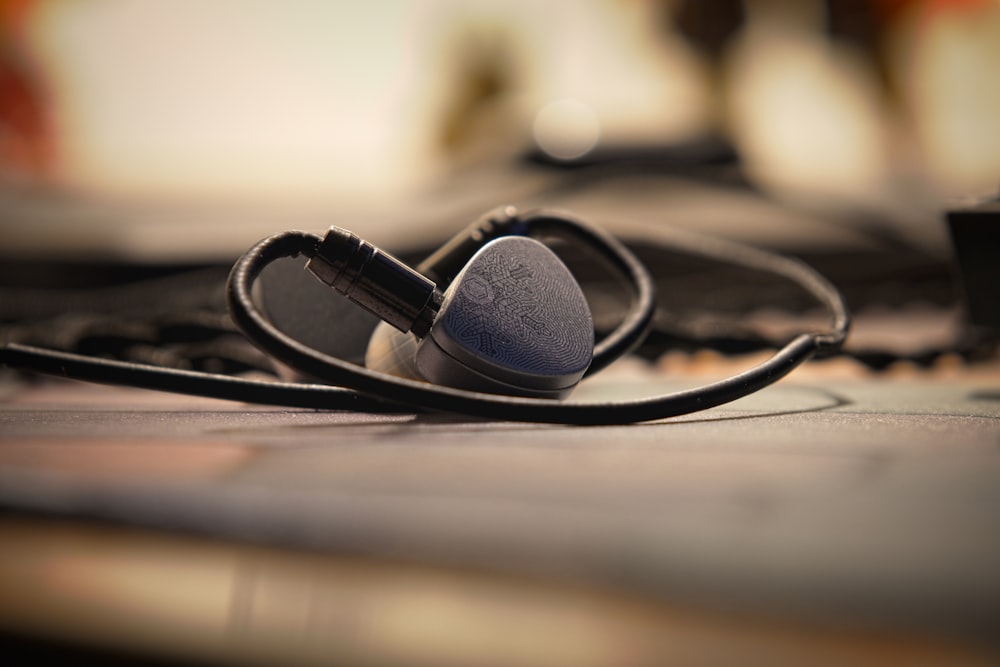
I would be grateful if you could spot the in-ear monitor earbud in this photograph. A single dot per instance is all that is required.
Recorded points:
(513, 321)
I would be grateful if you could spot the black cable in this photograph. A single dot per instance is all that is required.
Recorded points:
(194, 383)
(789, 268)
(374, 391)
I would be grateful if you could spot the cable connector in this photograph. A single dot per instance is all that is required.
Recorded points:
(376, 281)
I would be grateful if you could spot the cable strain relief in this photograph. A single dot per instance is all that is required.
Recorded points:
(425, 319)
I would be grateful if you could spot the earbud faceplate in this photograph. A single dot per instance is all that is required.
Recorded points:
(514, 321)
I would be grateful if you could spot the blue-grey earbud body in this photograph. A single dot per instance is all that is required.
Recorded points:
(514, 321)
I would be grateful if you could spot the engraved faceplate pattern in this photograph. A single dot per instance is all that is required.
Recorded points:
(516, 306)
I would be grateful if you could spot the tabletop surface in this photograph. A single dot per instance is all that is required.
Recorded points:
(857, 501)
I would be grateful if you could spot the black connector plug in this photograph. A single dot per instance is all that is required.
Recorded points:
(376, 281)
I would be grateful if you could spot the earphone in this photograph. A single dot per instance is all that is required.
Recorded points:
(511, 320)
(491, 325)
(514, 321)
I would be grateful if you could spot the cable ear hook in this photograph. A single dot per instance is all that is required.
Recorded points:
(545, 224)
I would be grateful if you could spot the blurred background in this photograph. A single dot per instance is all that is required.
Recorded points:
(309, 110)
